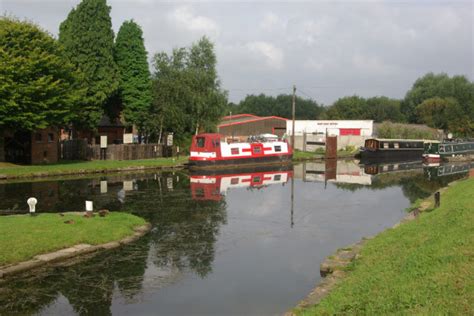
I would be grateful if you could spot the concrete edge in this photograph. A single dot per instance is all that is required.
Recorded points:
(61, 255)
(333, 268)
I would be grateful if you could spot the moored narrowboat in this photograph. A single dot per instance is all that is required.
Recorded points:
(381, 149)
(436, 151)
(208, 150)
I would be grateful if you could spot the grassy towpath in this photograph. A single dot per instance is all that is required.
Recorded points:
(82, 167)
(23, 236)
(423, 267)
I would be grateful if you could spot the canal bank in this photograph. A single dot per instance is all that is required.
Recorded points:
(28, 242)
(423, 266)
(9, 171)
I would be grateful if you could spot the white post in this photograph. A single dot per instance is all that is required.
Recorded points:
(32, 203)
(89, 206)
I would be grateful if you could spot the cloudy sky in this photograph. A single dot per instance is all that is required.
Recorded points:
(328, 49)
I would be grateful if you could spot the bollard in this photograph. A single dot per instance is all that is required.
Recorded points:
(32, 204)
(437, 197)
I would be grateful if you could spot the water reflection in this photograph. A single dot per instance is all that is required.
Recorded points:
(218, 239)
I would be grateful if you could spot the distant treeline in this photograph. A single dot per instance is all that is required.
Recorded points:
(437, 100)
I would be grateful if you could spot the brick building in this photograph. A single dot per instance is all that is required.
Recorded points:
(24, 147)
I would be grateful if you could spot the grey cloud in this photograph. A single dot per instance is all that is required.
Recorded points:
(328, 49)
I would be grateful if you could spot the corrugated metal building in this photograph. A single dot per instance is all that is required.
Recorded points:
(244, 125)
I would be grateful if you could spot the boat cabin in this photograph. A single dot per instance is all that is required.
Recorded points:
(377, 144)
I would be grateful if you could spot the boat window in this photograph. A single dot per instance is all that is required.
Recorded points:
(449, 148)
(256, 179)
(216, 143)
(277, 177)
(277, 148)
(441, 149)
(234, 151)
(256, 150)
(385, 145)
(396, 145)
(234, 181)
(200, 141)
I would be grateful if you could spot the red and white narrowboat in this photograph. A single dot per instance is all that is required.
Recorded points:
(214, 187)
(209, 150)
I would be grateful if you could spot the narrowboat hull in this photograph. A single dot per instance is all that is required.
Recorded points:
(368, 156)
(244, 161)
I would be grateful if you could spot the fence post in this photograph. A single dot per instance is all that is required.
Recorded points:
(437, 197)
(304, 141)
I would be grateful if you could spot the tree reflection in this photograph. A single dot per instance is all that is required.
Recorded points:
(88, 285)
(183, 239)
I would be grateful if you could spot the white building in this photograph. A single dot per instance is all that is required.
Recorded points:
(331, 127)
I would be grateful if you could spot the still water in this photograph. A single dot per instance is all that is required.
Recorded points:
(239, 243)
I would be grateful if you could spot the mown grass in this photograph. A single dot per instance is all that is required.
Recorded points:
(24, 236)
(71, 167)
(422, 267)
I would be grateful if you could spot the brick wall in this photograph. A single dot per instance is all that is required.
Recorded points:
(44, 146)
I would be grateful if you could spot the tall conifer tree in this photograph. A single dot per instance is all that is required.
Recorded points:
(88, 39)
(135, 82)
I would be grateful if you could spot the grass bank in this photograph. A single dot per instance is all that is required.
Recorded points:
(23, 236)
(75, 167)
(425, 266)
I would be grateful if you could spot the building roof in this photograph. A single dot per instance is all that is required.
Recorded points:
(248, 118)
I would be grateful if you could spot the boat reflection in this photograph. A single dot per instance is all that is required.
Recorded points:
(337, 171)
(206, 185)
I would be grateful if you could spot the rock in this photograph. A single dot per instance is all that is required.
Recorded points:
(88, 214)
(61, 214)
(103, 213)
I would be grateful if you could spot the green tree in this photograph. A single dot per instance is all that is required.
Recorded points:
(348, 108)
(88, 40)
(208, 100)
(135, 81)
(38, 86)
(384, 109)
(443, 113)
(263, 105)
(186, 91)
(442, 86)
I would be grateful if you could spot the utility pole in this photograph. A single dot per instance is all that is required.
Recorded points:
(293, 117)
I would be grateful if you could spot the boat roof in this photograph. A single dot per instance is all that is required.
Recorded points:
(403, 140)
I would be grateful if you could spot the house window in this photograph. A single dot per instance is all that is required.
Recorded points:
(45, 154)
(50, 137)
(277, 149)
(38, 137)
(234, 151)
(385, 145)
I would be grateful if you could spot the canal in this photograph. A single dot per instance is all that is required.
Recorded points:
(245, 242)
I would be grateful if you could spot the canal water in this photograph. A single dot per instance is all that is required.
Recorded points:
(243, 242)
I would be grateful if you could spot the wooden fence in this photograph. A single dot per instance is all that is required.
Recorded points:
(80, 150)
